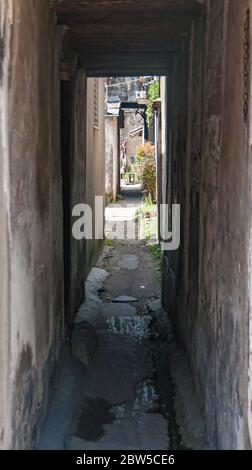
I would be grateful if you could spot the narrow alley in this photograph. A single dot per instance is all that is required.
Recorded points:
(116, 368)
(124, 116)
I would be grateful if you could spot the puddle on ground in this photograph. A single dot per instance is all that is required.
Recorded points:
(146, 397)
(95, 413)
(136, 326)
(129, 262)
(146, 401)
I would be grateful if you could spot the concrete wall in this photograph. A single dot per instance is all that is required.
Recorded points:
(78, 182)
(95, 165)
(210, 285)
(32, 322)
(5, 410)
(83, 177)
(112, 156)
(249, 408)
(31, 242)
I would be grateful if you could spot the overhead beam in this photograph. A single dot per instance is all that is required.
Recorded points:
(127, 29)
(113, 36)
(108, 52)
(100, 18)
(126, 71)
(126, 5)
(126, 64)
(124, 48)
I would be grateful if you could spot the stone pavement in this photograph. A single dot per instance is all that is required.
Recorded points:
(116, 390)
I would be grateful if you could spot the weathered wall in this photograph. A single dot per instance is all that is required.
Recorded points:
(231, 256)
(112, 149)
(173, 162)
(131, 122)
(35, 226)
(211, 285)
(5, 412)
(249, 409)
(78, 183)
(32, 319)
(95, 163)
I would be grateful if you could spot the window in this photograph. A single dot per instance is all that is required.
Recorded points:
(96, 102)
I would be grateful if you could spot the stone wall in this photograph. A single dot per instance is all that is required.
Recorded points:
(209, 286)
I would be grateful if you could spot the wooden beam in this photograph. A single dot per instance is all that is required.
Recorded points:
(127, 29)
(120, 18)
(125, 65)
(126, 5)
(117, 71)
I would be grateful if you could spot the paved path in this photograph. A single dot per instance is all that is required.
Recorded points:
(108, 397)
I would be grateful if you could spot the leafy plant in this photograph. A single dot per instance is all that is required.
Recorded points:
(145, 167)
(155, 250)
(148, 203)
(153, 94)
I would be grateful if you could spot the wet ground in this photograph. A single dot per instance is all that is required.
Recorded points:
(122, 409)
(116, 391)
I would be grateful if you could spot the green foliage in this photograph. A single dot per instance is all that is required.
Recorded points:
(148, 203)
(131, 171)
(126, 176)
(145, 167)
(153, 94)
(156, 252)
(147, 218)
(109, 198)
(146, 207)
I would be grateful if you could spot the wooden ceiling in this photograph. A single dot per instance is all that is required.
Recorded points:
(118, 36)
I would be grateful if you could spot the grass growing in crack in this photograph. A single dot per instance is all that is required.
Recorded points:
(109, 242)
(146, 207)
(155, 250)
(147, 216)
